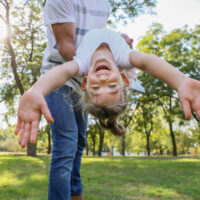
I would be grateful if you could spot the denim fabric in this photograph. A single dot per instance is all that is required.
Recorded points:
(68, 134)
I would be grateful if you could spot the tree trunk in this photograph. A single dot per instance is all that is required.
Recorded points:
(14, 66)
(87, 150)
(11, 51)
(123, 145)
(93, 137)
(161, 150)
(148, 145)
(93, 149)
(31, 149)
(112, 150)
(184, 144)
(101, 140)
(173, 139)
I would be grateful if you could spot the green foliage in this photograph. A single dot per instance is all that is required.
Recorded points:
(130, 9)
(158, 105)
(23, 50)
(9, 141)
(177, 48)
(28, 43)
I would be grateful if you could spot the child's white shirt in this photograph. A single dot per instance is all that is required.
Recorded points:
(118, 46)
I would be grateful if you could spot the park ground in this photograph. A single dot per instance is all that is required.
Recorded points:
(106, 178)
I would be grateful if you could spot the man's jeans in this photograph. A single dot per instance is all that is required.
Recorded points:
(69, 140)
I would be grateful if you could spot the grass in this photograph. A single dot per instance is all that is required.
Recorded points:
(26, 178)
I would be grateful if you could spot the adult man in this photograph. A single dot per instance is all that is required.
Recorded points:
(67, 21)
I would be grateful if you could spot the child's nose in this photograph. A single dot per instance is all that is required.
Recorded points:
(103, 78)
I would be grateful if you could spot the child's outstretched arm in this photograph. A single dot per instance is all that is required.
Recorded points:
(188, 89)
(32, 104)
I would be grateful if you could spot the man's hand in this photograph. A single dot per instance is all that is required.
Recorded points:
(189, 95)
(32, 105)
(129, 40)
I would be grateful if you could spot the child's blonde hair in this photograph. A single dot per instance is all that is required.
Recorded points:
(107, 115)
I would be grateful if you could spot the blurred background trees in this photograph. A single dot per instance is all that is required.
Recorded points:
(154, 120)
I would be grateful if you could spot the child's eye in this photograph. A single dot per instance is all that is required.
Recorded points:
(113, 85)
(95, 87)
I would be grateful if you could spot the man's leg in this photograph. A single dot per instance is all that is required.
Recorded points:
(81, 120)
(64, 136)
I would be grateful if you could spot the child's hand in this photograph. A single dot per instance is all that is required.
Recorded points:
(32, 105)
(189, 95)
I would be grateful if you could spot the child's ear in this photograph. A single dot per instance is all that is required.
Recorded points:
(83, 85)
(125, 79)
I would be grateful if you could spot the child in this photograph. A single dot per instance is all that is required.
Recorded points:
(100, 55)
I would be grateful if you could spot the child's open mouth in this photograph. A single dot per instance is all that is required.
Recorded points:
(102, 69)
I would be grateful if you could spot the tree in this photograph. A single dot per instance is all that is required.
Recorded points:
(127, 117)
(101, 138)
(179, 49)
(160, 140)
(8, 140)
(23, 49)
(130, 9)
(92, 135)
(145, 120)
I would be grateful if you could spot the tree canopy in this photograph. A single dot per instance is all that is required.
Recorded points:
(154, 120)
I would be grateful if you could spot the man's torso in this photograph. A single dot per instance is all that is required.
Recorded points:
(86, 14)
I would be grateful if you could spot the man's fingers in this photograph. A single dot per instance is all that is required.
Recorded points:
(34, 132)
(186, 108)
(26, 135)
(47, 114)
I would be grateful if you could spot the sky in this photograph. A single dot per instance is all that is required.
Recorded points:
(170, 13)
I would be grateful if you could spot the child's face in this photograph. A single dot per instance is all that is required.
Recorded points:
(104, 82)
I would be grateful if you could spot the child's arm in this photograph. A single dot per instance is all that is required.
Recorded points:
(187, 88)
(32, 104)
(56, 77)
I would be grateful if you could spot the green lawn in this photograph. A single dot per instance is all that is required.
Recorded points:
(26, 178)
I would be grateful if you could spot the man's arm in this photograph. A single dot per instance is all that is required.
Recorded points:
(65, 38)
(56, 77)
(188, 89)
